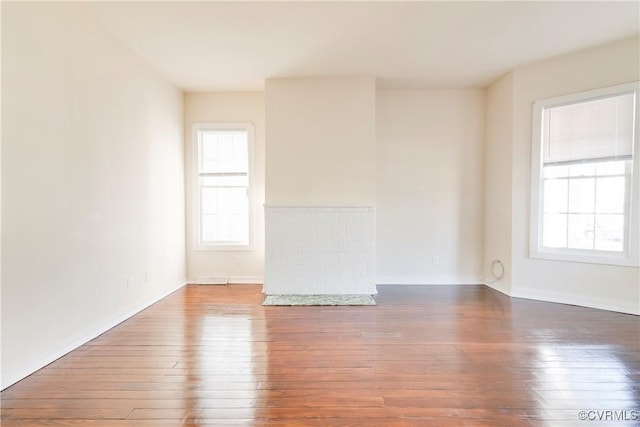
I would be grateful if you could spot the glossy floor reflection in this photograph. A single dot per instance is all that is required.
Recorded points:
(424, 356)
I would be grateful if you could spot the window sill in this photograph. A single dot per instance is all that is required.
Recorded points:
(223, 248)
(582, 257)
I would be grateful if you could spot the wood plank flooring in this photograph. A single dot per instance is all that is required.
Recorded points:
(424, 356)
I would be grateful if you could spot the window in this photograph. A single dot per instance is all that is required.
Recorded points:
(584, 204)
(223, 172)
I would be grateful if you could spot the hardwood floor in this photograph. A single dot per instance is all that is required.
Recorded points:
(424, 356)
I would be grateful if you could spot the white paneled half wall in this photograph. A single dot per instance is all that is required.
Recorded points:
(314, 250)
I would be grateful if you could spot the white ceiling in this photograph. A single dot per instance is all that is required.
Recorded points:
(223, 46)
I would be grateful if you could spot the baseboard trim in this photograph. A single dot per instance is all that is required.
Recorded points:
(579, 300)
(246, 280)
(234, 280)
(496, 287)
(63, 347)
(423, 280)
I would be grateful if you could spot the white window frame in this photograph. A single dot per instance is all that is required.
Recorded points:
(631, 254)
(199, 245)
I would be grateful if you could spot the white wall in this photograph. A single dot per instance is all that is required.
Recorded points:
(321, 152)
(497, 183)
(595, 285)
(92, 184)
(321, 141)
(1, 376)
(429, 186)
(238, 266)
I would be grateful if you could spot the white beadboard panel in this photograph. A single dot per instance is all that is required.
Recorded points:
(320, 250)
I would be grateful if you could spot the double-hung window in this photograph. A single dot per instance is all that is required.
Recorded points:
(223, 154)
(584, 200)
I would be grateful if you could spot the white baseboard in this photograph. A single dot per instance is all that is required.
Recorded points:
(497, 286)
(580, 300)
(246, 280)
(426, 280)
(212, 280)
(62, 347)
(233, 280)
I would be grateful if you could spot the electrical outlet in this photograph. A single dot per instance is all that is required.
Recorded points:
(435, 260)
(236, 260)
(129, 282)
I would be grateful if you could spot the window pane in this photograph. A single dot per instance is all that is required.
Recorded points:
(580, 232)
(609, 233)
(209, 200)
(582, 169)
(224, 151)
(238, 215)
(209, 228)
(224, 231)
(210, 146)
(555, 231)
(225, 214)
(581, 195)
(611, 168)
(238, 200)
(611, 195)
(555, 195)
(555, 171)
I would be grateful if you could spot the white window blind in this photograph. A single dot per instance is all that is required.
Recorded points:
(596, 129)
